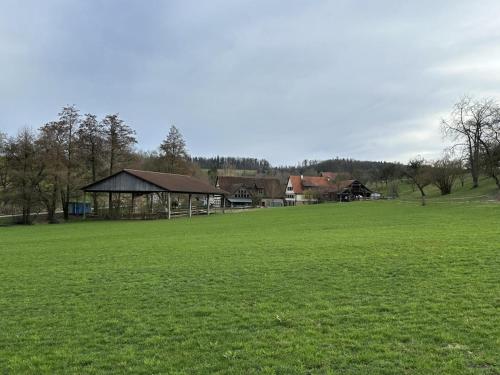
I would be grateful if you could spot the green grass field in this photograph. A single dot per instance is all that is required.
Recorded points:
(358, 288)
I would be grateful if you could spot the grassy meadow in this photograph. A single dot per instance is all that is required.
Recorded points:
(358, 288)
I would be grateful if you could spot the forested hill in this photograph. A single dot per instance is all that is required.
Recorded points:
(218, 162)
(361, 169)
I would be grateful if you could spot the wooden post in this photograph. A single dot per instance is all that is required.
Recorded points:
(84, 205)
(169, 203)
(133, 205)
(208, 204)
(190, 205)
(164, 201)
(223, 203)
(119, 206)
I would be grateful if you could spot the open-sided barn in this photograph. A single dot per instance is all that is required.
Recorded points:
(136, 183)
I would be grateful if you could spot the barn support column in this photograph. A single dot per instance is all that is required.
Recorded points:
(169, 204)
(190, 199)
(208, 204)
(223, 200)
(110, 203)
(133, 205)
(84, 205)
(163, 196)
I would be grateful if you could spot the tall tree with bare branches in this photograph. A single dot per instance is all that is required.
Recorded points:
(91, 142)
(466, 126)
(119, 141)
(4, 171)
(490, 143)
(69, 120)
(26, 171)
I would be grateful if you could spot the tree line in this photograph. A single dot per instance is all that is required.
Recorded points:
(221, 162)
(473, 126)
(44, 169)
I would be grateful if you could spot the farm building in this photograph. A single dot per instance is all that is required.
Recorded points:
(156, 192)
(327, 187)
(251, 191)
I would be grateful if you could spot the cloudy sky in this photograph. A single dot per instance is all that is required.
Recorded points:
(281, 80)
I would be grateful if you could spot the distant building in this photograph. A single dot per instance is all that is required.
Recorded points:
(328, 187)
(251, 191)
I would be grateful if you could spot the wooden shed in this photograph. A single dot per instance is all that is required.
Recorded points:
(163, 185)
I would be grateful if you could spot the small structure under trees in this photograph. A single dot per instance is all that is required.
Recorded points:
(152, 187)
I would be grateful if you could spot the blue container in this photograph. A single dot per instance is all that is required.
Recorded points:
(78, 208)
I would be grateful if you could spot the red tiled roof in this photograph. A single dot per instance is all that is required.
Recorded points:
(300, 184)
(310, 181)
(330, 175)
(296, 184)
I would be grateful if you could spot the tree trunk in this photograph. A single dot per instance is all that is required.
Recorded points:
(51, 206)
(96, 202)
(27, 212)
(423, 194)
(475, 178)
(474, 167)
(110, 204)
(64, 204)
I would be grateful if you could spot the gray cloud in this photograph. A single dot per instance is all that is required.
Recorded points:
(281, 80)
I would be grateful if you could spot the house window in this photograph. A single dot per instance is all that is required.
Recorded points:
(289, 188)
(242, 193)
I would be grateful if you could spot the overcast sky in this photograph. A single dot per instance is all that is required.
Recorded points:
(281, 80)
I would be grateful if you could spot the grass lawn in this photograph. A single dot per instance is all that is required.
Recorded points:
(359, 288)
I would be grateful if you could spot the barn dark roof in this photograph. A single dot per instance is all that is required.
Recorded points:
(131, 180)
(271, 186)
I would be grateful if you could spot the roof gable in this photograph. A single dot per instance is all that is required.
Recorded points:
(123, 182)
(131, 180)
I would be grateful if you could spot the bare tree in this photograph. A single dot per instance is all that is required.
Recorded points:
(393, 189)
(466, 126)
(174, 153)
(418, 172)
(26, 171)
(119, 140)
(69, 119)
(91, 141)
(490, 143)
(4, 171)
(445, 172)
(51, 152)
